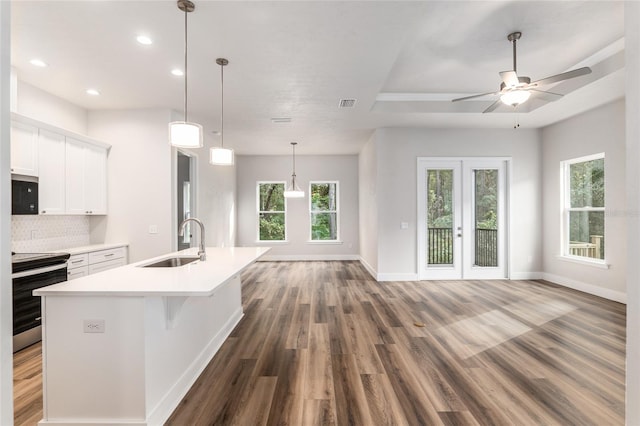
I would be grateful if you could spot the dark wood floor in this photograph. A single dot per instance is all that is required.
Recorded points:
(321, 343)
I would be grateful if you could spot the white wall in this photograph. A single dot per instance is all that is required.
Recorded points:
(595, 131)
(343, 168)
(632, 59)
(139, 184)
(368, 205)
(397, 150)
(6, 323)
(48, 108)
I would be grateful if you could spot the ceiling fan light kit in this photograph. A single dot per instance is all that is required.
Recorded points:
(516, 90)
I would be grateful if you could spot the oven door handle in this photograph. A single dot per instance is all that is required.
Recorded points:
(37, 271)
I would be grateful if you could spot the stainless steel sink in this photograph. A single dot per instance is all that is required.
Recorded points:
(171, 262)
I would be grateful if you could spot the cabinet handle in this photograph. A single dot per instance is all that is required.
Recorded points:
(44, 211)
(109, 255)
(12, 169)
(38, 319)
(77, 261)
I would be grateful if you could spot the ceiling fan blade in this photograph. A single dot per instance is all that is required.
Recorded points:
(493, 106)
(510, 78)
(547, 96)
(564, 76)
(474, 96)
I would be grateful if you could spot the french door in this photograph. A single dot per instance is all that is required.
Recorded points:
(462, 217)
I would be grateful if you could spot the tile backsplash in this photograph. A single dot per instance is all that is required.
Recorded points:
(35, 233)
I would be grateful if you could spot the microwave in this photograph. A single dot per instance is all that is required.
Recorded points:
(24, 197)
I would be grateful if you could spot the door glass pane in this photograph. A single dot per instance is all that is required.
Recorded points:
(486, 217)
(440, 217)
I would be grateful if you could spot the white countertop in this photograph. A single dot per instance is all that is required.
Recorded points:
(194, 279)
(92, 247)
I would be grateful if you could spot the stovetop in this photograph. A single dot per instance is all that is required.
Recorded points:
(25, 261)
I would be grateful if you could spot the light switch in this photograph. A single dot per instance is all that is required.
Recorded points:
(404, 225)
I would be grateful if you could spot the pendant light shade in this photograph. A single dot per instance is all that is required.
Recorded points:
(184, 134)
(293, 190)
(221, 156)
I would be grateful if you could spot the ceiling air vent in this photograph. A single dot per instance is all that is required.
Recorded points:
(347, 103)
(276, 120)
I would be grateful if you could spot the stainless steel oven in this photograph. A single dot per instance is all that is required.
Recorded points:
(31, 271)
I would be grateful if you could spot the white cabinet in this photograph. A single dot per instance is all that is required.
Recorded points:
(51, 187)
(92, 262)
(24, 149)
(86, 178)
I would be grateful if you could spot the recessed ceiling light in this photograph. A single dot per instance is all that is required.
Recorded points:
(142, 39)
(177, 72)
(38, 63)
(93, 92)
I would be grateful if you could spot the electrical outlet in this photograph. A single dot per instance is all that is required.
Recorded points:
(34, 234)
(93, 326)
(404, 225)
(153, 229)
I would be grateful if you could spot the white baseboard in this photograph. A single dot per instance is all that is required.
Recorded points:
(307, 257)
(526, 276)
(369, 268)
(616, 296)
(160, 414)
(398, 277)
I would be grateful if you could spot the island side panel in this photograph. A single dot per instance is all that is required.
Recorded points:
(93, 375)
(177, 351)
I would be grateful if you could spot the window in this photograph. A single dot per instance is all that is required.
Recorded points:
(583, 205)
(323, 211)
(271, 211)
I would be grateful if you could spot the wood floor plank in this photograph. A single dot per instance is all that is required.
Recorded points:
(322, 343)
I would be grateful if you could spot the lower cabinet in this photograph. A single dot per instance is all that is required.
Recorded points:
(92, 262)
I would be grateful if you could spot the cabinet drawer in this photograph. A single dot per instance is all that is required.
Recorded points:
(78, 260)
(106, 255)
(74, 273)
(109, 264)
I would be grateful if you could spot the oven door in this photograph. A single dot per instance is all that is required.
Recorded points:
(27, 307)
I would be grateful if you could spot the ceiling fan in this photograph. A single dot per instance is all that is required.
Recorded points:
(515, 90)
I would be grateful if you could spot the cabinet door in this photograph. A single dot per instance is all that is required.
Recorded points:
(51, 188)
(75, 177)
(95, 189)
(24, 149)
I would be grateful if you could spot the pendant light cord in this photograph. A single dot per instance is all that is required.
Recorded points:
(222, 106)
(293, 176)
(186, 44)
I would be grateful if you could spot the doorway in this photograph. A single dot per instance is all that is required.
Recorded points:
(185, 197)
(462, 218)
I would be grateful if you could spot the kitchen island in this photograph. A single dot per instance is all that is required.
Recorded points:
(124, 346)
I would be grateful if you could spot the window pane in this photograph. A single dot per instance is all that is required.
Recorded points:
(324, 226)
(272, 226)
(440, 217)
(486, 217)
(586, 234)
(323, 196)
(587, 183)
(271, 197)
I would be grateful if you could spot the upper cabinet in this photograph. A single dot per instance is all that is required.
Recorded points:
(51, 187)
(24, 149)
(71, 168)
(86, 178)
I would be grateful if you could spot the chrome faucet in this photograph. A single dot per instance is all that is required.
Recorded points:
(201, 251)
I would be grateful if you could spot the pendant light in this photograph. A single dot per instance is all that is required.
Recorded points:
(221, 156)
(293, 190)
(184, 134)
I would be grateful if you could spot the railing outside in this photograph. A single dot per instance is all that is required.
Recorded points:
(440, 243)
(486, 247)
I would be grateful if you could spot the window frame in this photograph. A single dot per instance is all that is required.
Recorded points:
(336, 211)
(259, 212)
(566, 209)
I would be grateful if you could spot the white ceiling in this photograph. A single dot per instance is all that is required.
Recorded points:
(402, 61)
